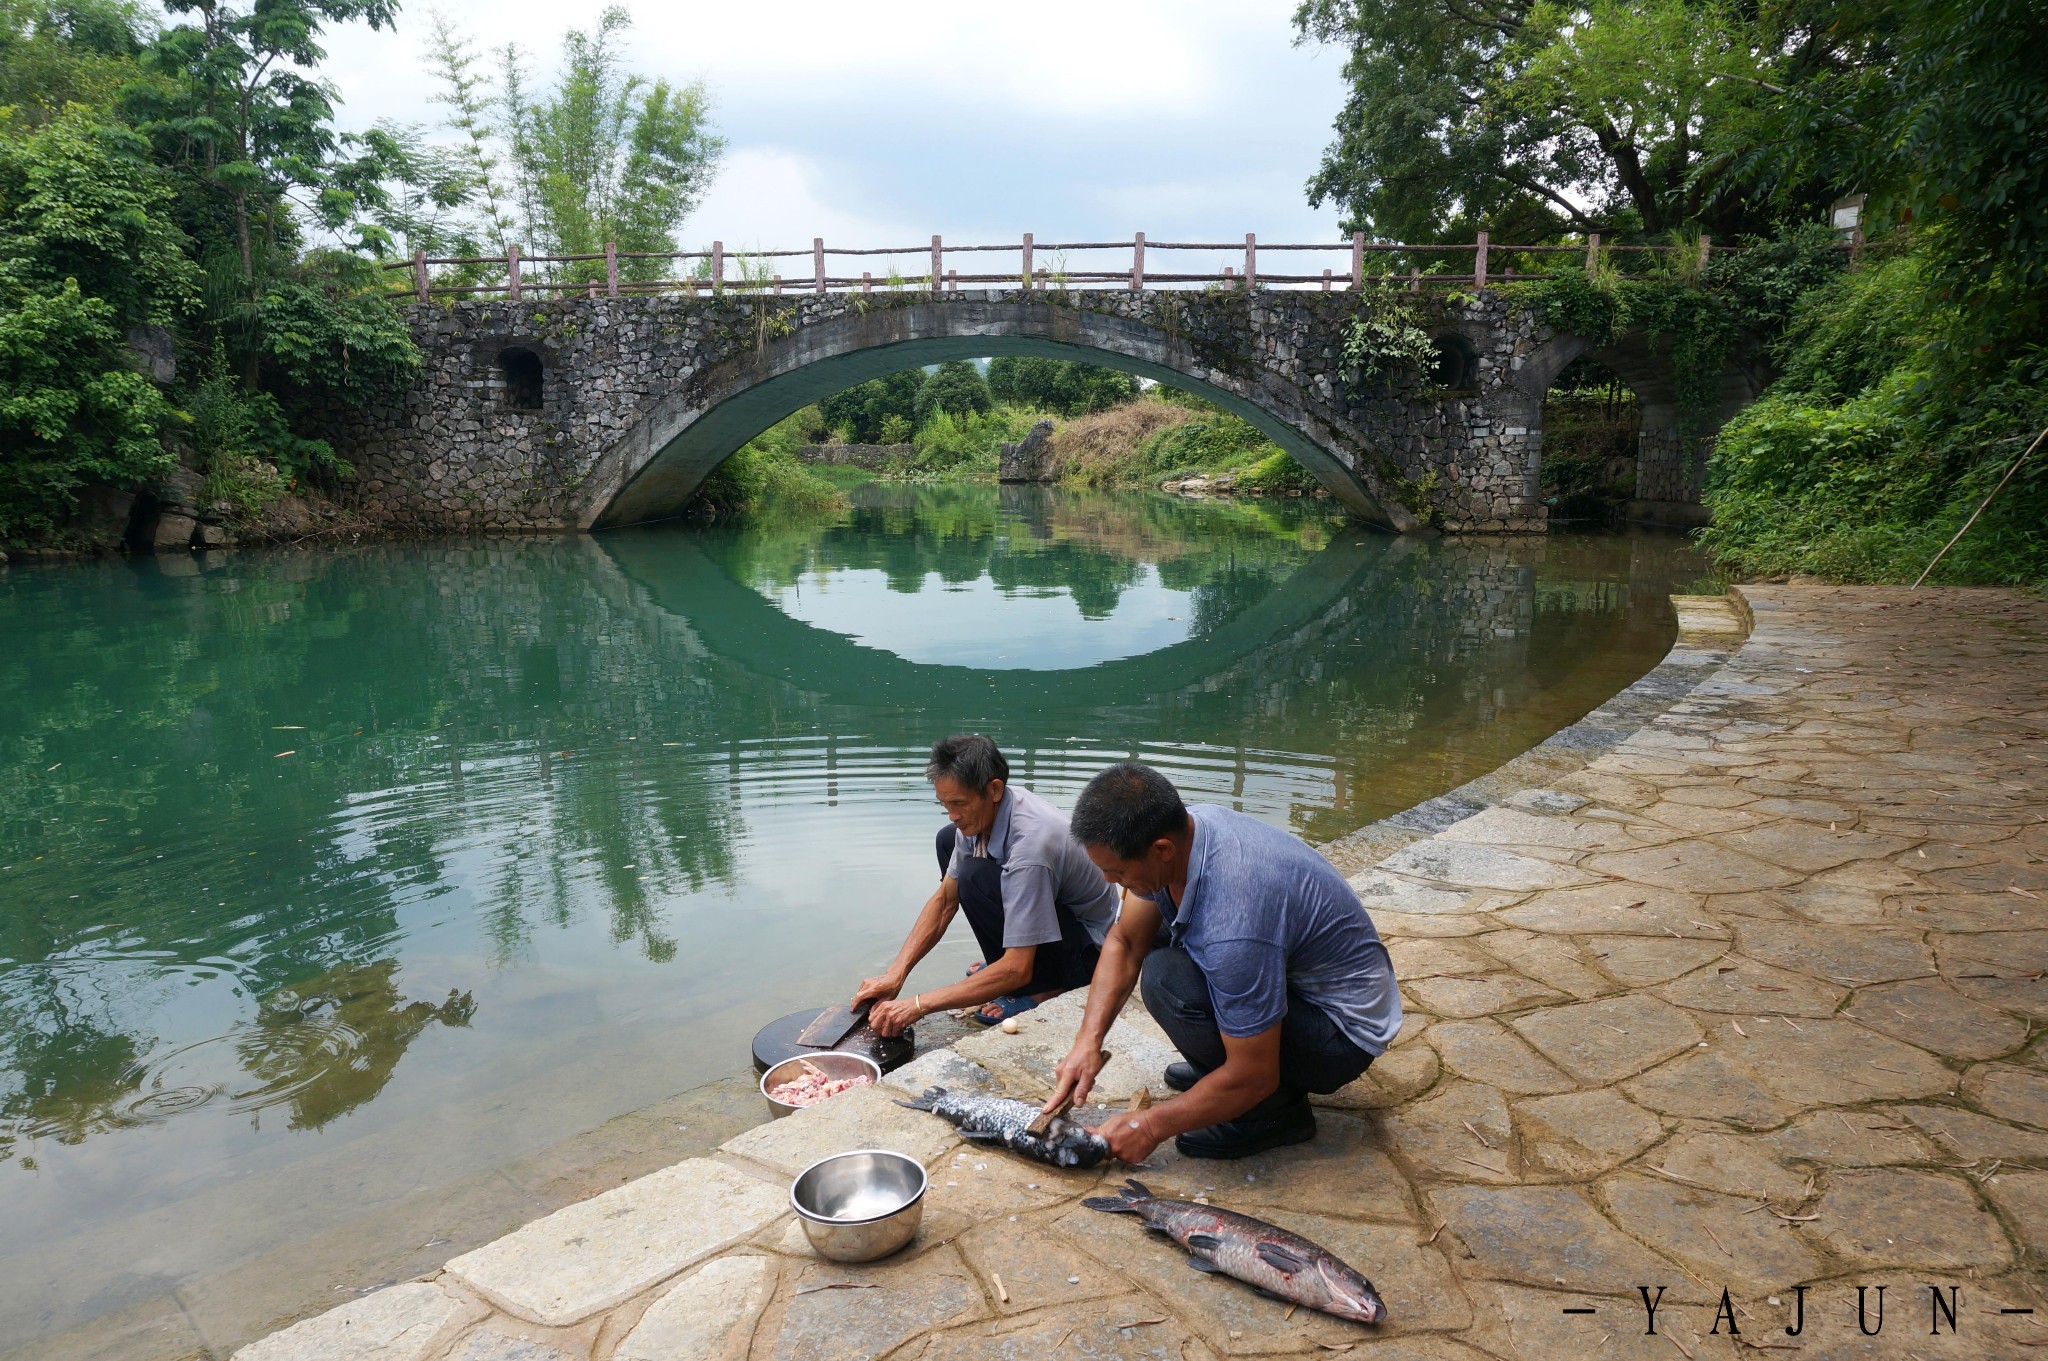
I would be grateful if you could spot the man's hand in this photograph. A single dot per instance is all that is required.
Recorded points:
(1075, 1077)
(1129, 1136)
(890, 1018)
(880, 987)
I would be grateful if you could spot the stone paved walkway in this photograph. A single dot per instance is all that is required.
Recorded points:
(1751, 1001)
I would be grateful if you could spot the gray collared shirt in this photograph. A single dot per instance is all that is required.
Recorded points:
(1042, 866)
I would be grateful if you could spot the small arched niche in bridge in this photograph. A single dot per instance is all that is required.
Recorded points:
(1456, 366)
(522, 378)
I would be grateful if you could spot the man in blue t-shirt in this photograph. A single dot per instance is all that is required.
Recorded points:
(1257, 960)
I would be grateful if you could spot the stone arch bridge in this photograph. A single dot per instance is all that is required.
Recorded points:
(594, 412)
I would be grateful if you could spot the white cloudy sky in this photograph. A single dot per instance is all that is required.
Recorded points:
(882, 122)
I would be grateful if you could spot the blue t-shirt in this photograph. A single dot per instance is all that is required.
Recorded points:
(1266, 918)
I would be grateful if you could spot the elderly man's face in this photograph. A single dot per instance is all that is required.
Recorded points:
(970, 813)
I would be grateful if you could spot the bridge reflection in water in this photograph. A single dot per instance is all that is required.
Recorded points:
(552, 798)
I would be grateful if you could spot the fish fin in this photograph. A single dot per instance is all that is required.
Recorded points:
(1136, 1187)
(1115, 1205)
(925, 1102)
(1203, 1242)
(1205, 1266)
(1282, 1258)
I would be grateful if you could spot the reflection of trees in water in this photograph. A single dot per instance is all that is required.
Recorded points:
(331, 1043)
(322, 1048)
(1090, 546)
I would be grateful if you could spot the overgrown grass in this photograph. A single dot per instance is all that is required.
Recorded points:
(1112, 447)
(766, 474)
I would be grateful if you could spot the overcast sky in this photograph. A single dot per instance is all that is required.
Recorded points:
(884, 121)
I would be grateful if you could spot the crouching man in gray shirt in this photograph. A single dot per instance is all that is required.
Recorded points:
(1256, 958)
(1038, 908)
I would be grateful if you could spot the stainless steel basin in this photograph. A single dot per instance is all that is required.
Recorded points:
(859, 1206)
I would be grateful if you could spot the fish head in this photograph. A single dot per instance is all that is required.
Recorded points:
(1351, 1295)
(1075, 1145)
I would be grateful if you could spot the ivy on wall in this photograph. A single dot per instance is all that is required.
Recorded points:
(1741, 297)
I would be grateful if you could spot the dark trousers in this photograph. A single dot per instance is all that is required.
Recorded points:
(1068, 962)
(1315, 1056)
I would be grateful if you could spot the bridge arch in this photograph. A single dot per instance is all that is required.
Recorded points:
(1670, 461)
(652, 471)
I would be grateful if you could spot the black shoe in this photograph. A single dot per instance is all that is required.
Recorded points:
(1249, 1134)
(1181, 1076)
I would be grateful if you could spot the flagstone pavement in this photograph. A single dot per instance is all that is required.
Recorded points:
(1749, 1001)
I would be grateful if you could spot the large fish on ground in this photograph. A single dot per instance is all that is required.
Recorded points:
(997, 1119)
(1280, 1263)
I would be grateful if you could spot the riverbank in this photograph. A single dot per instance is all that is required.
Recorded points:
(1747, 1001)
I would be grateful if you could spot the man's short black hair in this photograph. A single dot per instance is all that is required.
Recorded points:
(970, 758)
(1127, 808)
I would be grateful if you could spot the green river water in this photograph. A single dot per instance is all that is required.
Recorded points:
(331, 874)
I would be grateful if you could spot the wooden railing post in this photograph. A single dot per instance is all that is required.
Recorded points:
(1479, 263)
(952, 281)
(1138, 262)
(1592, 254)
(1357, 261)
(867, 282)
(1706, 247)
(1027, 262)
(1251, 262)
(1326, 281)
(419, 273)
(778, 285)
(938, 263)
(512, 271)
(611, 269)
(717, 267)
(818, 260)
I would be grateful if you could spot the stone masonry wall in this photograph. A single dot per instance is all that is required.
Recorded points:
(453, 455)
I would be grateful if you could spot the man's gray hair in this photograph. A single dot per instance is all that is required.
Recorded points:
(970, 758)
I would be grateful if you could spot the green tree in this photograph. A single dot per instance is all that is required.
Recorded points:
(1530, 116)
(1064, 386)
(86, 251)
(862, 410)
(955, 387)
(599, 156)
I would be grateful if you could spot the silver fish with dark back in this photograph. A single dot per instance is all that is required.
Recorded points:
(1282, 1264)
(997, 1119)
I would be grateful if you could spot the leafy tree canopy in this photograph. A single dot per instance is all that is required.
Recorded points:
(1533, 116)
(955, 387)
(1064, 386)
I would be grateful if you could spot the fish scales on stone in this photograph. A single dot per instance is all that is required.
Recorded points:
(1265, 1256)
(1000, 1120)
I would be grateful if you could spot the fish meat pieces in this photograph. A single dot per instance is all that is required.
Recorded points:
(1263, 1255)
(812, 1086)
(997, 1119)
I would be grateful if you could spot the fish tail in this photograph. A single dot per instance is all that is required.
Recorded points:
(1130, 1200)
(926, 1102)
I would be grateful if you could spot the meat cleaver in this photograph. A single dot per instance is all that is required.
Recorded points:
(833, 1025)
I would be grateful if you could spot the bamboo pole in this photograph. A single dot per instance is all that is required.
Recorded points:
(1981, 505)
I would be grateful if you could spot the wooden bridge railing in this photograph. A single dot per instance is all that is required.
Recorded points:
(757, 276)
